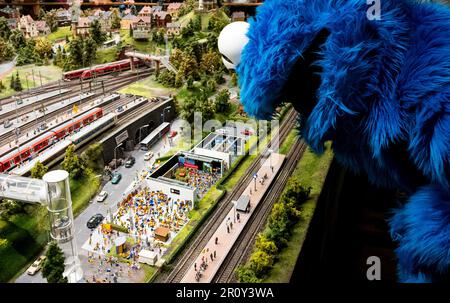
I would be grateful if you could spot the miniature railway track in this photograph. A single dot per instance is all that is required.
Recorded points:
(243, 247)
(75, 89)
(109, 87)
(47, 87)
(182, 262)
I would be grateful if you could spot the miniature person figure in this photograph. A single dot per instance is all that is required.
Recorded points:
(228, 229)
(231, 225)
(238, 217)
(195, 266)
(217, 240)
(211, 256)
(214, 254)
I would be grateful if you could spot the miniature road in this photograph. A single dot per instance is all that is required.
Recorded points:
(115, 193)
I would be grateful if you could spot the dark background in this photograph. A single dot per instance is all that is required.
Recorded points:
(348, 226)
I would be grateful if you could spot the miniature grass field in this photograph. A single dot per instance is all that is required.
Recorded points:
(83, 190)
(105, 55)
(26, 237)
(311, 170)
(145, 46)
(148, 88)
(60, 33)
(46, 73)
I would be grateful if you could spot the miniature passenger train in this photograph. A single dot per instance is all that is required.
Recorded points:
(27, 151)
(100, 70)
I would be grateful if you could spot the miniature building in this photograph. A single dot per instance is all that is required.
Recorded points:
(83, 26)
(148, 257)
(173, 28)
(127, 21)
(162, 234)
(162, 18)
(126, 12)
(105, 19)
(146, 11)
(157, 8)
(120, 244)
(31, 28)
(141, 27)
(64, 17)
(9, 12)
(12, 23)
(174, 8)
(238, 16)
(188, 175)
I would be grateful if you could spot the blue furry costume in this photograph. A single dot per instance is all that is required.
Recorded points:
(379, 90)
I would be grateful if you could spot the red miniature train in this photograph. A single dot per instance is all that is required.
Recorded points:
(43, 141)
(100, 70)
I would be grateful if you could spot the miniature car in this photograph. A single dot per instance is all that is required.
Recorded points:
(148, 156)
(36, 266)
(7, 124)
(102, 196)
(130, 162)
(116, 178)
(94, 221)
(120, 109)
(173, 134)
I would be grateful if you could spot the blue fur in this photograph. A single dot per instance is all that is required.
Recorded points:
(422, 228)
(383, 99)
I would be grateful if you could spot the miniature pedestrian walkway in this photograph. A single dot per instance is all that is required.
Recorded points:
(230, 229)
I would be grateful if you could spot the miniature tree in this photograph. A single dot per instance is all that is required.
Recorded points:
(51, 19)
(92, 156)
(17, 83)
(38, 170)
(234, 80)
(222, 103)
(131, 31)
(43, 47)
(6, 50)
(5, 31)
(115, 22)
(89, 51)
(12, 82)
(72, 163)
(3, 243)
(96, 32)
(53, 268)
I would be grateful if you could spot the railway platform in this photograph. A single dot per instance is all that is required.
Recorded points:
(23, 119)
(12, 106)
(230, 229)
(54, 122)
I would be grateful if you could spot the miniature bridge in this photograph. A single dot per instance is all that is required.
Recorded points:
(164, 60)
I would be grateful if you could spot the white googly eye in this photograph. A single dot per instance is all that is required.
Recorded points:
(232, 40)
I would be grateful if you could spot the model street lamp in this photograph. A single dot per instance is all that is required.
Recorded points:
(269, 152)
(164, 111)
